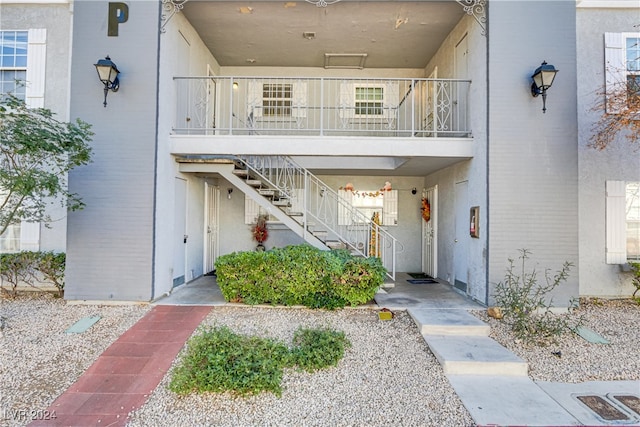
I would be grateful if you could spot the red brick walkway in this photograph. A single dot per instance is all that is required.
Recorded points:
(124, 376)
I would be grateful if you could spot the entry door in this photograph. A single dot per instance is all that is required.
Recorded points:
(461, 241)
(430, 236)
(460, 91)
(212, 202)
(180, 232)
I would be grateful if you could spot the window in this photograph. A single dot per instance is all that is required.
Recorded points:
(623, 221)
(276, 99)
(369, 101)
(13, 62)
(386, 205)
(622, 57)
(22, 73)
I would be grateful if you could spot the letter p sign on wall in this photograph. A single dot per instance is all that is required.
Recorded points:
(118, 14)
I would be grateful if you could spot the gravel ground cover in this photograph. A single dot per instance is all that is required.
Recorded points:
(573, 359)
(38, 360)
(387, 377)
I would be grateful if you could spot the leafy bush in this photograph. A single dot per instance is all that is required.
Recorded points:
(299, 275)
(526, 305)
(23, 267)
(635, 269)
(16, 268)
(217, 360)
(318, 348)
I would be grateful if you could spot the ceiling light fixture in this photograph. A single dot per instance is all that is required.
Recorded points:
(322, 3)
(309, 35)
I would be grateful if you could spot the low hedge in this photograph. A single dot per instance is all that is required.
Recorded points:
(299, 275)
(31, 268)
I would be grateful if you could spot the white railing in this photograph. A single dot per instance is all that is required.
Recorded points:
(322, 106)
(324, 210)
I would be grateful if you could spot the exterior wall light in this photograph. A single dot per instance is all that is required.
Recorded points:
(542, 80)
(108, 75)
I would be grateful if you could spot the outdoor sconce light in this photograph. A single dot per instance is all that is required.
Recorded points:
(229, 191)
(108, 75)
(235, 85)
(542, 80)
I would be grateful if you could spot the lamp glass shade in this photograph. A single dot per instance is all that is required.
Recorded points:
(107, 70)
(544, 75)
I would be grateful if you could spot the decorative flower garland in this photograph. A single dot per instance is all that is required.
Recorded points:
(259, 229)
(426, 209)
(380, 192)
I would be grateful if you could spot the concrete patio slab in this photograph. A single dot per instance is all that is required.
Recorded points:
(509, 401)
(566, 394)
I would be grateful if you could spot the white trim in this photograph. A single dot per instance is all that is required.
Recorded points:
(36, 67)
(607, 4)
(616, 238)
(35, 1)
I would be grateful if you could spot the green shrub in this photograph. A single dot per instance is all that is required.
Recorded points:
(526, 304)
(218, 360)
(23, 268)
(16, 268)
(51, 265)
(299, 275)
(318, 348)
(635, 280)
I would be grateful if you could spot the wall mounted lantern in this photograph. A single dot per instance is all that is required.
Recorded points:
(108, 75)
(542, 80)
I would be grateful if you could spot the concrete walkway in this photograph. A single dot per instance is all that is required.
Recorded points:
(494, 386)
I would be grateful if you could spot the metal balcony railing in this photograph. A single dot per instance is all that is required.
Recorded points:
(322, 106)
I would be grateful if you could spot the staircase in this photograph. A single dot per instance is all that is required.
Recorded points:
(307, 206)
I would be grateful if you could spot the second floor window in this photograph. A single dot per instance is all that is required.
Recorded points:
(369, 101)
(13, 62)
(277, 99)
(622, 65)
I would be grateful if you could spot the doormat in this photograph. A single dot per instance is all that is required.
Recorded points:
(421, 281)
(420, 276)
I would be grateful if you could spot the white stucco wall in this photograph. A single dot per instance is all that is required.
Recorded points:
(472, 171)
(619, 161)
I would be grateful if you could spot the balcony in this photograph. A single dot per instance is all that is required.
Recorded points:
(322, 107)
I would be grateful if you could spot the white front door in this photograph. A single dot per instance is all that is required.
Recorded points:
(461, 240)
(180, 232)
(429, 235)
(212, 202)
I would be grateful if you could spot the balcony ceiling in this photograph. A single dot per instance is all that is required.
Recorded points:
(393, 34)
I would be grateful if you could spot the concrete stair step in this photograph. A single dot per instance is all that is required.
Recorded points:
(474, 355)
(448, 322)
(281, 202)
(241, 172)
(267, 192)
(254, 182)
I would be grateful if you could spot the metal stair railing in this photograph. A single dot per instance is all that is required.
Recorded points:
(323, 210)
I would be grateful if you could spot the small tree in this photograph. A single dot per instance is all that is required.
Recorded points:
(36, 152)
(618, 102)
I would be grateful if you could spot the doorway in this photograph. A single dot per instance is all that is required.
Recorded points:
(461, 240)
(211, 215)
(430, 235)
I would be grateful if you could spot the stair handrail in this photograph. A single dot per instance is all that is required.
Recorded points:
(356, 230)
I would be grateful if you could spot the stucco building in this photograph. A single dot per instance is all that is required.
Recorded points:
(310, 113)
